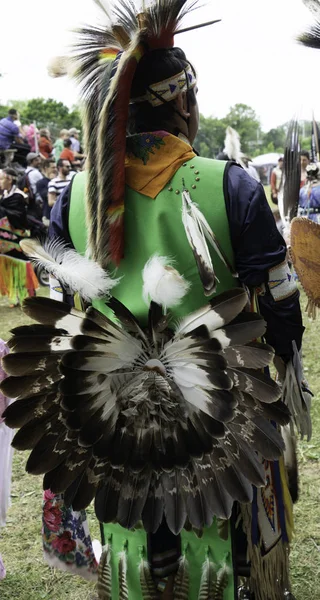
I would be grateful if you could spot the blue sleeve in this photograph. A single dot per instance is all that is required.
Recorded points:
(256, 241)
(59, 217)
(15, 130)
(258, 246)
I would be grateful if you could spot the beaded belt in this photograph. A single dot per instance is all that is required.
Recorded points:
(308, 211)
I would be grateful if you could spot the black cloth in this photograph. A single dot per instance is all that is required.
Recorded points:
(42, 190)
(257, 244)
(14, 208)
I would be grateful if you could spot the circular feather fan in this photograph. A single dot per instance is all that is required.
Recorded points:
(152, 422)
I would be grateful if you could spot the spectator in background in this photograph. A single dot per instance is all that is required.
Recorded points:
(45, 144)
(32, 135)
(305, 161)
(13, 202)
(276, 179)
(67, 153)
(58, 145)
(77, 166)
(32, 171)
(9, 132)
(57, 185)
(75, 143)
(49, 170)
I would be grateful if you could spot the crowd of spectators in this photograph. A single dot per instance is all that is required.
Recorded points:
(39, 168)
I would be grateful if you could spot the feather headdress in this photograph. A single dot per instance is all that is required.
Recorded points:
(311, 37)
(105, 62)
(154, 423)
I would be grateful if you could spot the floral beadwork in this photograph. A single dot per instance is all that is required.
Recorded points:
(66, 539)
(143, 144)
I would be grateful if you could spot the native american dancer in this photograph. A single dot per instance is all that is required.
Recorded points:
(152, 396)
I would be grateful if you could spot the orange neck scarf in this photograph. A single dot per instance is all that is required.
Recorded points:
(152, 159)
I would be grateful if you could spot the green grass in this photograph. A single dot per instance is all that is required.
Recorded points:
(20, 545)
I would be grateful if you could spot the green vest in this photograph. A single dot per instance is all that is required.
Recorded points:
(155, 227)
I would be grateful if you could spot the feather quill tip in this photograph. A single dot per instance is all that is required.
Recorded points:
(72, 270)
(59, 66)
(162, 283)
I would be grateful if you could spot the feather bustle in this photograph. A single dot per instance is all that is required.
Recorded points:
(101, 437)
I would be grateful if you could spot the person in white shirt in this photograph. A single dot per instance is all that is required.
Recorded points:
(32, 170)
(58, 184)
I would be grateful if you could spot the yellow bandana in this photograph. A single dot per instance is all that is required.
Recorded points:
(152, 159)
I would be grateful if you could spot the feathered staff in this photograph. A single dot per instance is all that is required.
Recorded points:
(289, 199)
(155, 423)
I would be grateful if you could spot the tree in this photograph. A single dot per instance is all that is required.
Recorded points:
(3, 110)
(277, 137)
(210, 137)
(19, 105)
(245, 121)
(45, 112)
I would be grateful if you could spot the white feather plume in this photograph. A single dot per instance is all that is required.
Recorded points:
(71, 269)
(232, 145)
(59, 66)
(162, 283)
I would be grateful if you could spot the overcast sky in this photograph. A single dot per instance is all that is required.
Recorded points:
(250, 57)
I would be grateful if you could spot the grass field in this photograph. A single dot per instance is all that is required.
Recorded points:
(20, 544)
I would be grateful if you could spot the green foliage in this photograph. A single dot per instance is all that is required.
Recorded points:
(210, 137)
(306, 143)
(246, 122)
(19, 105)
(212, 131)
(45, 112)
(3, 111)
(276, 137)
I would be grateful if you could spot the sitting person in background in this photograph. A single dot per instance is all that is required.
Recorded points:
(57, 185)
(12, 138)
(67, 153)
(58, 145)
(45, 144)
(9, 132)
(49, 170)
(13, 202)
